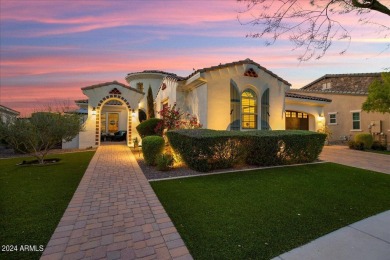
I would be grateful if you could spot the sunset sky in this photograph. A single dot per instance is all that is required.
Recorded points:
(51, 49)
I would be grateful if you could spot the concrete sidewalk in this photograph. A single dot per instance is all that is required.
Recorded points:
(363, 240)
(115, 214)
(364, 160)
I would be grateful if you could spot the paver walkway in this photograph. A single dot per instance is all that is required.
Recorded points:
(115, 214)
(365, 160)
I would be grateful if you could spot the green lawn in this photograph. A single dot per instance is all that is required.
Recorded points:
(34, 198)
(262, 213)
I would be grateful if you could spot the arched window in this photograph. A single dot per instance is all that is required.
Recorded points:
(249, 109)
(265, 110)
(234, 108)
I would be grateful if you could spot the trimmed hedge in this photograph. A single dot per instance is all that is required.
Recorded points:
(366, 139)
(147, 127)
(152, 148)
(205, 150)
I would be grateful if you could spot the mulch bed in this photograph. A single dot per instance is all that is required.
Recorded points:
(151, 172)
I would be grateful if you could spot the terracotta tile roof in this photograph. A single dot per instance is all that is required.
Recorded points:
(246, 61)
(300, 96)
(112, 83)
(353, 83)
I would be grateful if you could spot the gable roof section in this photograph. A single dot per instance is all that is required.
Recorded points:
(300, 96)
(111, 83)
(9, 110)
(341, 87)
(240, 62)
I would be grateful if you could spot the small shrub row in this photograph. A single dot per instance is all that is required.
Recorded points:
(205, 150)
(365, 141)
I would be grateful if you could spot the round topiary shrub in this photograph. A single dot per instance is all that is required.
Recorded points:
(152, 148)
(364, 138)
(148, 127)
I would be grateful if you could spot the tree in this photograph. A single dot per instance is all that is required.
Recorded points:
(311, 25)
(378, 99)
(41, 132)
(150, 103)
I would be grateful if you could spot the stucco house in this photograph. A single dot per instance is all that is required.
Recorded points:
(344, 115)
(240, 95)
(7, 113)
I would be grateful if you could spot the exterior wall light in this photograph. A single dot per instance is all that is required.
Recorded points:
(93, 111)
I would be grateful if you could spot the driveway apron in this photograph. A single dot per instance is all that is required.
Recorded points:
(365, 160)
(115, 214)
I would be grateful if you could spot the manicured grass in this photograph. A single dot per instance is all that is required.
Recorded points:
(261, 214)
(34, 198)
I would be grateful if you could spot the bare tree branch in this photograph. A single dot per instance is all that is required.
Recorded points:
(311, 26)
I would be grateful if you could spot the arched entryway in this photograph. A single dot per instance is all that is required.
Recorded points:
(102, 115)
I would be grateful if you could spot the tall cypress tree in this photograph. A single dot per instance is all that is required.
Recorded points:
(150, 103)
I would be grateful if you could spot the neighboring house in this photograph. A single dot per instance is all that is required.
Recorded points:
(240, 95)
(7, 113)
(344, 116)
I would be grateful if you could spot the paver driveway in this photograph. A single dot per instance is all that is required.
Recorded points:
(365, 160)
(115, 214)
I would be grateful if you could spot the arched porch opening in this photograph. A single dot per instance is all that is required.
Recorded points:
(113, 115)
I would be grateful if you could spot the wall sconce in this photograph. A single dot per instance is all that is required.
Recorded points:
(94, 111)
(133, 112)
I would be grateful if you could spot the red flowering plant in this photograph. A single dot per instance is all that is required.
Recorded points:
(172, 118)
(191, 122)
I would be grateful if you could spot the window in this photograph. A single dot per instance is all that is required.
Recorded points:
(265, 110)
(332, 118)
(234, 108)
(355, 120)
(326, 86)
(249, 109)
(140, 86)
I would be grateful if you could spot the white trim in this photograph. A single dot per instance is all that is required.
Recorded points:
(356, 130)
(332, 113)
(355, 111)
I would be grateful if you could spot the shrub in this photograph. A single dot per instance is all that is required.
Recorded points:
(205, 150)
(152, 148)
(165, 162)
(364, 138)
(376, 145)
(148, 127)
(355, 145)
